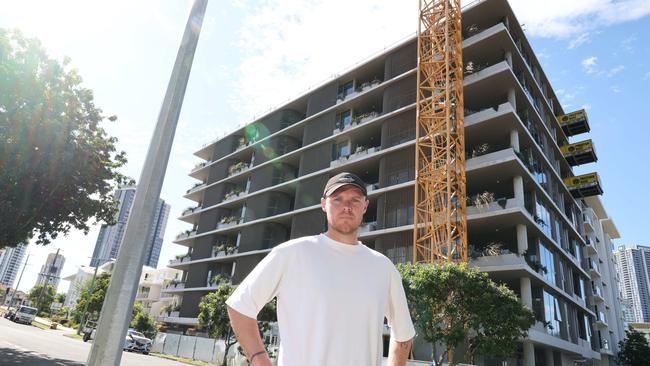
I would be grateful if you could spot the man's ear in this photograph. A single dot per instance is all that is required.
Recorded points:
(322, 204)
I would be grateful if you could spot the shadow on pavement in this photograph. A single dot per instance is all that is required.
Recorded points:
(11, 356)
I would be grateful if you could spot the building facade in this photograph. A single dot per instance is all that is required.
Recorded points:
(77, 281)
(51, 271)
(10, 261)
(110, 237)
(154, 301)
(261, 185)
(633, 267)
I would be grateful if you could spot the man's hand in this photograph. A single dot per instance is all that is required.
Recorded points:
(399, 352)
(248, 335)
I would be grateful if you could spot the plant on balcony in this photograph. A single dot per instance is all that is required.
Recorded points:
(473, 67)
(471, 30)
(219, 279)
(227, 220)
(360, 117)
(538, 220)
(480, 149)
(241, 142)
(236, 168)
(491, 322)
(232, 193)
(226, 248)
(533, 263)
(481, 200)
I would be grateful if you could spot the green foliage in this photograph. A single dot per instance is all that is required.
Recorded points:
(452, 304)
(57, 165)
(60, 298)
(46, 298)
(95, 301)
(142, 321)
(213, 315)
(634, 350)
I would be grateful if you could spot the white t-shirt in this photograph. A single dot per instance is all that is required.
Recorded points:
(332, 300)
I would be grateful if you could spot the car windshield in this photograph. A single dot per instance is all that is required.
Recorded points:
(137, 334)
(30, 311)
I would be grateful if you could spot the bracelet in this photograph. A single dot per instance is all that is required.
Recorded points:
(255, 354)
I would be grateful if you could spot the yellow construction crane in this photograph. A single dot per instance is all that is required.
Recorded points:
(440, 220)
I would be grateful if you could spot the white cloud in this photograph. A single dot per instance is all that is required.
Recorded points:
(291, 45)
(615, 89)
(615, 70)
(646, 76)
(590, 64)
(578, 41)
(627, 43)
(561, 18)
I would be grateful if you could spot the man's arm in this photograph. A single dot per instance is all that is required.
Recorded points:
(248, 335)
(399, 352)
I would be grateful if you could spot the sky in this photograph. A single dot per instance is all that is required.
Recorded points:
(255, 55)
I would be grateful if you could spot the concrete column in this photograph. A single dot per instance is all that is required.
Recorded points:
(518, 187)
(514, 140)
(529, 353)
(526, 292)
(512, 98)
(548, 355)
(508, 57)
(114, 320)
(522, 238)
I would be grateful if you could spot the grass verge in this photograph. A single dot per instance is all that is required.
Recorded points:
(182, 359)
(40, 325)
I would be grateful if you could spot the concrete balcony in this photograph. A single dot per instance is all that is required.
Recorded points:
(177, 320)
(185, 235)
(589, 219)
(598, 294)
(601, 321)
(367, 227)
(590, 245)
(174, 287)
(180, 259)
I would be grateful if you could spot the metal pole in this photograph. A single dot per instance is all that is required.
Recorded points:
(116, 311)
(11, 299)
(47, 280)
(90, 295)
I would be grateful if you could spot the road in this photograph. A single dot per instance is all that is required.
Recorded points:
(28, 345)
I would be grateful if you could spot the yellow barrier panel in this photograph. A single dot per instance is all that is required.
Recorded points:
(577, 147)
(577, 116)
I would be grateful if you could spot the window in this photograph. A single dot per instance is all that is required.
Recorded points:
(341, 149)
(552, 314)
(346, 89)
(343, 119)
(547, 259)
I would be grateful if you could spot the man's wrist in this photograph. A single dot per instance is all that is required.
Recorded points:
(258, 355)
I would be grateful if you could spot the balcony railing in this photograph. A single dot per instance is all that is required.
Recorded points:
(175, 285)
(190, 210)
(228, 221)
(360, 152)
(196, 187)
(180, 259)
(597, 291)
(233, 194)
(185, 234)
(199, 166)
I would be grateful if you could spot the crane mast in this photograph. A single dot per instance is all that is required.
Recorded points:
(440, 218)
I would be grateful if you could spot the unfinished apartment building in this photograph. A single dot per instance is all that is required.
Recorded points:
(528, 214)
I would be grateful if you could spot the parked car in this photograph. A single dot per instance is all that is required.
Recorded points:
(24, 314)
(136, 342)
(10, 314)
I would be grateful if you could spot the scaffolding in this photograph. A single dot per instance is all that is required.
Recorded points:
(440, 218)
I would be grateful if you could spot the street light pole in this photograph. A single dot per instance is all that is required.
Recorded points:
(11, 299)
(90, 295)
(116, 312)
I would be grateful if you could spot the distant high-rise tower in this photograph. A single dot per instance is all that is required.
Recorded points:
(110, 237)
(10, 260)
(51, 271)
(633, 267)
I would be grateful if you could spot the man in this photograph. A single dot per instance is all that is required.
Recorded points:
(333, 293)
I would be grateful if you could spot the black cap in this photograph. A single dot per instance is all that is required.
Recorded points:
(341, 180)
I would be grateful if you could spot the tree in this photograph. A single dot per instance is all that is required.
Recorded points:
(634, 349)
(57, 165)
(42, 298)
(95, 300)
(213, 316)
(452, 304)
(142, 321)
(60, 298)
